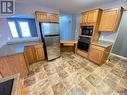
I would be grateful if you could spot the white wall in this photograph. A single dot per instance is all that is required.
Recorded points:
(5, 35)
(76, 26)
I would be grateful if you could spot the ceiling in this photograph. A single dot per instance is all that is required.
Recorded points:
(72, 6)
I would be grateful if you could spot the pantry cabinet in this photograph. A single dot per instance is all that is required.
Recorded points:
(47, 17)
(110, 20)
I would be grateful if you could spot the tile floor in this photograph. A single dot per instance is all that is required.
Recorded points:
(73, 75)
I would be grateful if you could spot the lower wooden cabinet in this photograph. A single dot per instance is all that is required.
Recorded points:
(29, 53)
(13, 64)
(34, 53)
(4, 68)
(98, 54)
(39, 52)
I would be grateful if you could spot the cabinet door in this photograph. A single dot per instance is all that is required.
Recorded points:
(108, 20)
(29, 53)
(4, 68)
(17, 64)
(54, 18)
(21, 66)
(12, 63)
(42, 16)
(83, 19)
(92, 16)
(96, 55)
(39, 52)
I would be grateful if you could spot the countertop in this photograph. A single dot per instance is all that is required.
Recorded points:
(68, 41)
(15, 48)
(102, 43)
(15, 85)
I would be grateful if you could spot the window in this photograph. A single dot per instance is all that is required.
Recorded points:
(25, 29)
(13, 29)
(22, 27)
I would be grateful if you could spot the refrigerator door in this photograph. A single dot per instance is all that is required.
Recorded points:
(50, 28)
(52, 47)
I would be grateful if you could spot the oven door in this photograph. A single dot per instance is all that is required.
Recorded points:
(83, 45)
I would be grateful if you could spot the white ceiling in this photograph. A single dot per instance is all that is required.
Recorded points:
(72, 6)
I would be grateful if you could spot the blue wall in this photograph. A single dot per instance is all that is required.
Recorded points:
(66, 27)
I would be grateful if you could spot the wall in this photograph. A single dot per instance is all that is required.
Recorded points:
(120, 46)
(66, 26)
(22, 10)
(5, 35)
(69, 26)
(76, 26)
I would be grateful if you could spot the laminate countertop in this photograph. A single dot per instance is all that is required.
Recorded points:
(102, 43)
(10, 85)
(17, 48)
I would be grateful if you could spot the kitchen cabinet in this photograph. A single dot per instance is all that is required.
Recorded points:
(99, 54)
(54, 18)
(90, 16)
(13, 64)
(47, 17)
(4, 68)
(39, 52)
(110, 20)
(29, 53)
(42, 16)
(34, 53)
(83, 18)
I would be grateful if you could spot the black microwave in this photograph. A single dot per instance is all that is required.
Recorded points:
(87, 30)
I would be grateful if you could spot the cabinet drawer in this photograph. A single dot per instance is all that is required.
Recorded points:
(96, 55)
(38, 46)
(98, 47)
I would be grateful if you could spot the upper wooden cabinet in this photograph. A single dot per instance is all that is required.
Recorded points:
(47, 17)
(54, 18)
(110, 20)
(89, 16)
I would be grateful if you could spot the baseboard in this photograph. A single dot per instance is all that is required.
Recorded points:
(124, 58)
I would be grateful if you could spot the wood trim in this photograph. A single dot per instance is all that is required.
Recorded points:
(91, 10)
(98, 47)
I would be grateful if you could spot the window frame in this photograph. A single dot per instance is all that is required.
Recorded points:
(18, 27)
